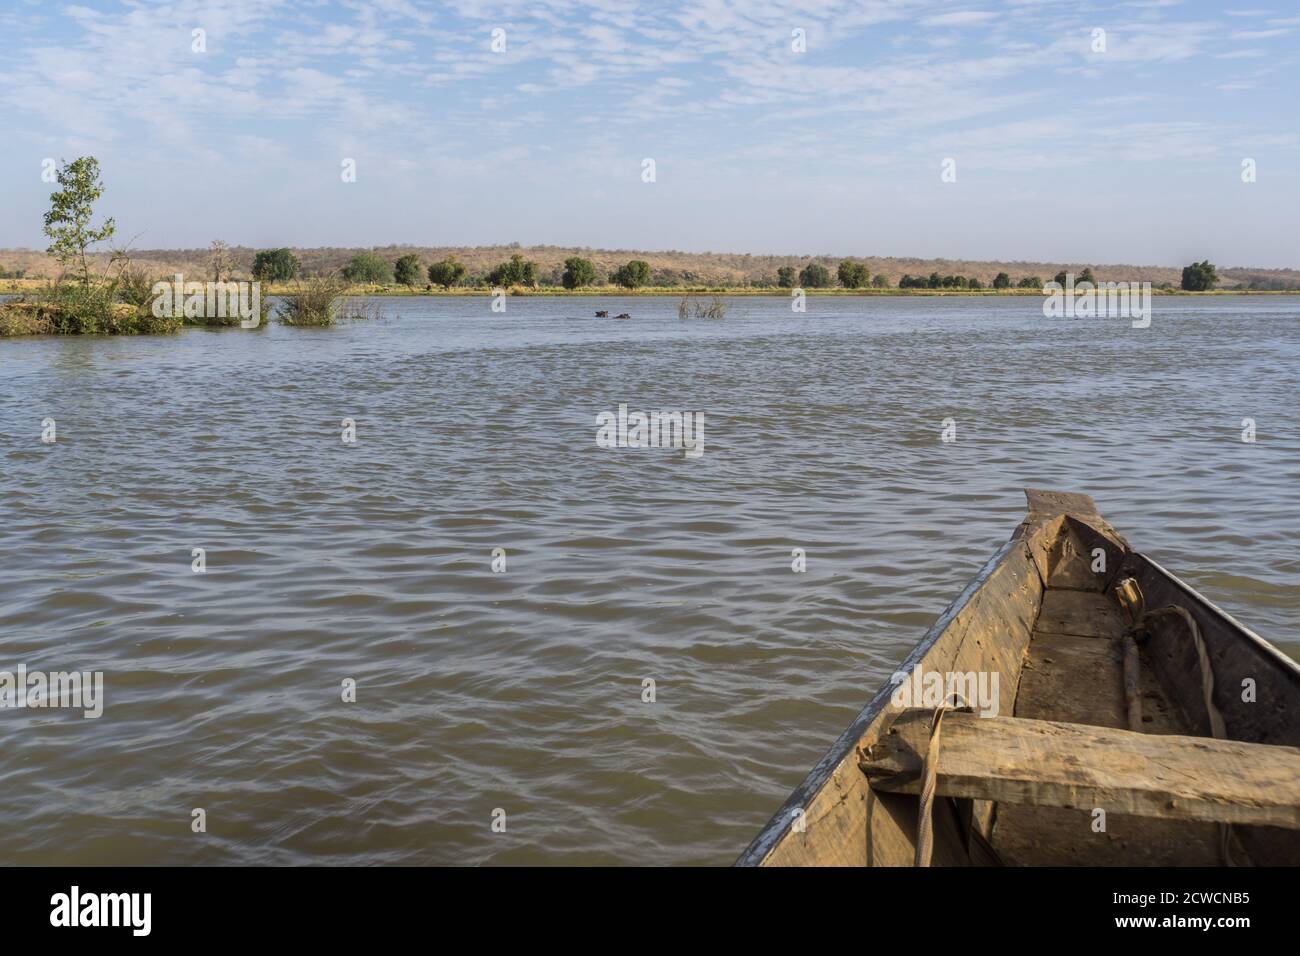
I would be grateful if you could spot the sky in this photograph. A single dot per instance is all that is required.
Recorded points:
(1100, 132)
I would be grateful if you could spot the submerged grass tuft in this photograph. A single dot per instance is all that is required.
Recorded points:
(321, 302)
(716, 309)
(313, 303)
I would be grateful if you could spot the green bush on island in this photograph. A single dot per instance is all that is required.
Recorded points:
(275, 265)
(1002, 281)
(880, 281)
(407, 270)
(815, 276)
(70, 308)
(447, 272)
(369, 268)
(1199, 277)
(1030, 282)
(518, 271)
(578, 272)
(853, 275)
(633, 275)
(787, 277)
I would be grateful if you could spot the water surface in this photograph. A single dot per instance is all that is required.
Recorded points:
(523, 690)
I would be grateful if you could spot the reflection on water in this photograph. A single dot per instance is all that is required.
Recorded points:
(522, 690)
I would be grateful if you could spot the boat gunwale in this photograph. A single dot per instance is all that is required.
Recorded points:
(776, 827)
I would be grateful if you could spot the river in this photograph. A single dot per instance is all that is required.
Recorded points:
(518, 694)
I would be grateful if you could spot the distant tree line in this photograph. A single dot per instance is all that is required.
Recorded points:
(370, 268)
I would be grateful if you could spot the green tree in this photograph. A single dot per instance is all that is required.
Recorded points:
(1086, 276)
(880, 281)
(447, 272)
(853, 275)
(71, 208)
(1060, 277)
(578, 272)
(814, 276)
(275, 265)
(1002, 281)
(1030, 282)
(1199, 277)
(786, 277)
(517, 271)
(975, 283)
(369, 267)
(407, 270)
(633, 275)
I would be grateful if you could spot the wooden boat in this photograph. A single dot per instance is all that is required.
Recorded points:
(1134, 723)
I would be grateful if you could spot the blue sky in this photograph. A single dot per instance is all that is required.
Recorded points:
(1062, 152)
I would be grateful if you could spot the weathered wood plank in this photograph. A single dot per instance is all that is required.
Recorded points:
(1057, 666)
(1081, 613)
(1048, 763)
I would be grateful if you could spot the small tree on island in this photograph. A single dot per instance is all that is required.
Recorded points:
(275, 265)
(220, 260)
(1199, 277)
(407, 270)
(578, 272)
(1030, 282)
(71, 208)
(1002, 281)
(880, 281)
(853, 275)
(446, 273)
(368, 267)
(633, 275)
(787, 277)
(815, 276)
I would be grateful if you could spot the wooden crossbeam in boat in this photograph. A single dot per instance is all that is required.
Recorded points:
(1048, 763)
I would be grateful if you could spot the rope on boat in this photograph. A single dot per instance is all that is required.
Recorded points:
(1132, 599)
(929, 782)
